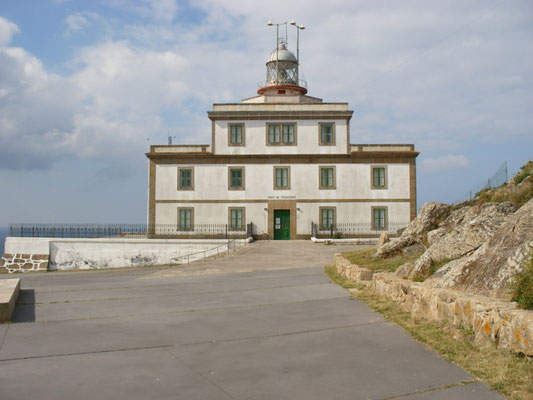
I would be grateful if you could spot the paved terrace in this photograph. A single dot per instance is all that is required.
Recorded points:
(263, 323)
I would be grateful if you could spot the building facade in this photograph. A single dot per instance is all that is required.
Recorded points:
(283, 162)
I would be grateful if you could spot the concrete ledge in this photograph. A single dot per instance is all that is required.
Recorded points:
(9, 293)
(370, 241)
(491, 321)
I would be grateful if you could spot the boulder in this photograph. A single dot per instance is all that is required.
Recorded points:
(489, 269)
(383, 238)
(429, 217)
(396, 245)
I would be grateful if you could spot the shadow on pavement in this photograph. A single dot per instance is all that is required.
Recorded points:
(25, 307)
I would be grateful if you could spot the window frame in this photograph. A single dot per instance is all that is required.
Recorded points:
(385, 218)
(288, 168)
(243, 218)
(333, 135)
(184, 228)
(334, 177)
(243, 136)
(180, 187)
(385, 177)
(242, 187)
(320, 219)
(281, 142)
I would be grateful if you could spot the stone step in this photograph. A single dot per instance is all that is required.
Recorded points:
(9, 293)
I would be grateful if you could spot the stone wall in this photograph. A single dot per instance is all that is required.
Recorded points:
(491, 321)
(10, 263)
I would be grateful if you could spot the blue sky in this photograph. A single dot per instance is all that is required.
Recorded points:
(84, 84)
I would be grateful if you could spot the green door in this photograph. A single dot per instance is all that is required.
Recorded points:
(282, 225)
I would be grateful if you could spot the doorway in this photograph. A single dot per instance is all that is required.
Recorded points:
(282, 225)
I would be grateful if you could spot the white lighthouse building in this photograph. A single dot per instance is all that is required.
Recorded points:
(283, 161)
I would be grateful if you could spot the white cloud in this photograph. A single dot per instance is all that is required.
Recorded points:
(7, 30)
(83, 21)
(106, 109)
(450, 162)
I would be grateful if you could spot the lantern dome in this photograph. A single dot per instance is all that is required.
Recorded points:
(282, 54)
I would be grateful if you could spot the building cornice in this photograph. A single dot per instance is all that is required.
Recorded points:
(242, 115)
(352, 158)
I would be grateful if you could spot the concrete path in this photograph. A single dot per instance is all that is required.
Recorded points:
(190, 333)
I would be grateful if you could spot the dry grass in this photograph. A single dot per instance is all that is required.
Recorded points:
(518, 191)
(364, 259)
(522, 286)
(506, 372)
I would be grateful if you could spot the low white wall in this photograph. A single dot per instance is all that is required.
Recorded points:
(69, 254)
(17, 245)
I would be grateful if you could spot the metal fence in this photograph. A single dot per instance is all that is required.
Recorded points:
(354, 229)
(496, 180)
(132, 231)
(232, 244)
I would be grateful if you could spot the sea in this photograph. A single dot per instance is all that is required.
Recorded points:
(3, 235)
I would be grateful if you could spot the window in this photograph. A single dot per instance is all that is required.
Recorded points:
(379, 177)
(236, 219)
(327, 177)
(282, 178)
(281, 134)
(185, 179)
(326, 133)
(379, 218)
(327, 217)
(236, 134)
(185, 218)
(236, 178)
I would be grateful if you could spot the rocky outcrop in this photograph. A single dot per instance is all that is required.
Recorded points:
(489, 269)
(459, 235)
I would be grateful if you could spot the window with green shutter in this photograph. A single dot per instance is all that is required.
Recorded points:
(288, 133)
(327, 217)
(236, 218)
(281, 178)
(236, 136)
(327, 133)
(379, 180)
(185, 179)
(185, 218)
(327, 177)
(379, 218)
(281, 134)
(236, 178)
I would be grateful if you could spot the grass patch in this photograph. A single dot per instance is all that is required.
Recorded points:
(364, 259)
(522, 286)
(525, 171)
(506, 372)
(434, 267)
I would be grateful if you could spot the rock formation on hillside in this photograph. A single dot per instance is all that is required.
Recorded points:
(459, 235)
(476, 246)
(490, 268)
